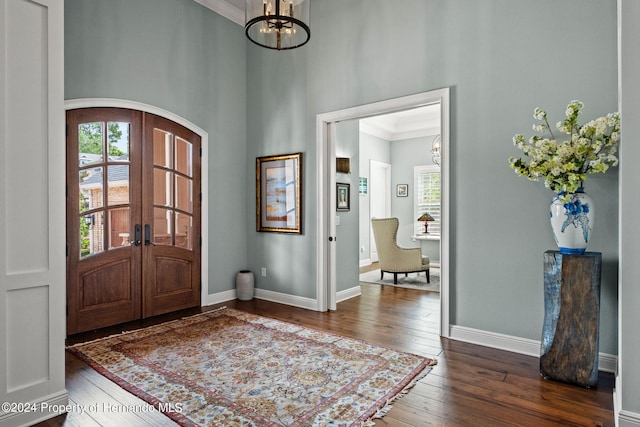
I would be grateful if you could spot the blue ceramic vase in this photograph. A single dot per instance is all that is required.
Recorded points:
(572, 222)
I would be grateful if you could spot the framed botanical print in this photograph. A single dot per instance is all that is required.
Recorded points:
(343, 197)
(279, 193)
(402, 190)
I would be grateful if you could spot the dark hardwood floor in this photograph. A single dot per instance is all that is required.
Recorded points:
(470, 386)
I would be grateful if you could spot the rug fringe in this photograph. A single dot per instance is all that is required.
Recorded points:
(389, 405)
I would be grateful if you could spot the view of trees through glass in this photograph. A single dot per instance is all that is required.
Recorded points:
(92, 144)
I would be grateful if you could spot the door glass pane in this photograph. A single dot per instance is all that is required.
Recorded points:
(183, 156)
(184, 200)
(119, 224)
(91, 234)
(162, 188)
(162, 148)
(184, 230)
(162, 226)
(118, 139)
(85, 200)
(91, 191)
(90, 143)
(118, 191)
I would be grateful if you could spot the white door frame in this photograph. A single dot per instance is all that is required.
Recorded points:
(204, 186)
(326, 171)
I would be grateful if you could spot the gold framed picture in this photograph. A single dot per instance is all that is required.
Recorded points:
(279, 193)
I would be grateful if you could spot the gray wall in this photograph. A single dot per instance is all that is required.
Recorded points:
(501, 58)
(184, 58)
(628, 382)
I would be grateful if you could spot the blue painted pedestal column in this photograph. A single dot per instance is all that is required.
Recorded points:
(569, 350)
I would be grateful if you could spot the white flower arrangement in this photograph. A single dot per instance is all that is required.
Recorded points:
(564, 166)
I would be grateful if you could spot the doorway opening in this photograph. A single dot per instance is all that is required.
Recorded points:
(326, 226)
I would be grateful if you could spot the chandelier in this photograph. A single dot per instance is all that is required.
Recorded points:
(435, 149)
(277, 24)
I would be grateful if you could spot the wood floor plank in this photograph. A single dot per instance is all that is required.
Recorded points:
(471, 385)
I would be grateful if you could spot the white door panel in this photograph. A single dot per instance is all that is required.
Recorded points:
(32, 207)
(379, 198)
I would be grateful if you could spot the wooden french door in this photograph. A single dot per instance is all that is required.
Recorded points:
(133, 217)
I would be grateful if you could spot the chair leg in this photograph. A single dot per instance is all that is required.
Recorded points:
(428, 279)
(395, 278)
(381, 274)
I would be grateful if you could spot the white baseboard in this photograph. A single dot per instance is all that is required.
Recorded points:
(628, 419)
(348, 293)
(365, 262)
(220, 297)
(623, 418)
(302, 302)
(529, 347)
(45, 410)
(295, 301)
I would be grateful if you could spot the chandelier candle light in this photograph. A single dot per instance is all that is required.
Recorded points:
(590, 148)
(277, 24)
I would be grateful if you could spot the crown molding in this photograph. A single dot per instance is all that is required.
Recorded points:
(225, 9)
(396, 135)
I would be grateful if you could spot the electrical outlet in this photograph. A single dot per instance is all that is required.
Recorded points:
(264, 272)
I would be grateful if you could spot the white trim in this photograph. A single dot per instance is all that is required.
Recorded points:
(628, 419)
(372, 129)
(302, 302)
(348, 293)
(529, 347)
(204, 136)
(26, 418)
(325, 147)
(224, 9)
(426, 237)
(220, 297)
(365, 262)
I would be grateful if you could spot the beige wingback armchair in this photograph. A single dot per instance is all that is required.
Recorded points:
(393, 258)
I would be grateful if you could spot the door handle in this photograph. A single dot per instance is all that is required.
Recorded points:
(147, 235)
(137, 239)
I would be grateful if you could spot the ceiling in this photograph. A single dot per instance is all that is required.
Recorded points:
(414, 123)
(423, 121)
(230, 9)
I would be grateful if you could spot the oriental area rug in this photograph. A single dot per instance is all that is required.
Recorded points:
(231, 368)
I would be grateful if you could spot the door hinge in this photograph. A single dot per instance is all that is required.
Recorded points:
(66, 190)
(200, 196)
(67, 308)
(67, 250)
(200, 241)
(200, 151)
(66, 130)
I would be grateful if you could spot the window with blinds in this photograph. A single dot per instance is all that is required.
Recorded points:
(427, 198)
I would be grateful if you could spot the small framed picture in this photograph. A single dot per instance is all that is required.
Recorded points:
(362, 186)
(402, 190)
(343, 197)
